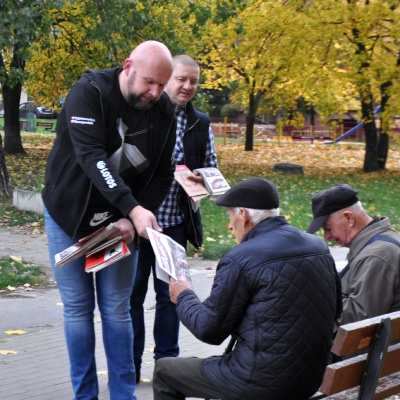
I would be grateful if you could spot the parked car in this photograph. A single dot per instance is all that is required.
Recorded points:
(38, 111)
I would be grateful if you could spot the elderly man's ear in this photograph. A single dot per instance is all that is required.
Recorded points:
(349, 216)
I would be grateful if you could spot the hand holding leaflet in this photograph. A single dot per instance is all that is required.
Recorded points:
(214, 183)
(171, 258)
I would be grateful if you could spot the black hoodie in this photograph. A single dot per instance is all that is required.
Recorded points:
(87, 136)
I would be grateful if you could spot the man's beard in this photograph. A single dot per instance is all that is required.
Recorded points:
(134, 100)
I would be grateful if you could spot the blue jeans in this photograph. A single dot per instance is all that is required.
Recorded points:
(166, 323)
(78, 289)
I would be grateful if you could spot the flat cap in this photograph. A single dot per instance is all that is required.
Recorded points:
(329, 201)
(256, 193)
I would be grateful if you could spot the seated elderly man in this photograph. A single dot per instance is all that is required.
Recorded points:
(371, 279)
(277, 293)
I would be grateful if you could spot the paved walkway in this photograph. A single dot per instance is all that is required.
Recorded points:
(34, 365)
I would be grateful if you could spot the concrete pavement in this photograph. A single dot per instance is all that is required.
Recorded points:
(34, 362)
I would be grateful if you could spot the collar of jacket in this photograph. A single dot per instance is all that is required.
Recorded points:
(265, 226)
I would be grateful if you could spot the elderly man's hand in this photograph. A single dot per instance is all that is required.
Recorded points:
(176, 288)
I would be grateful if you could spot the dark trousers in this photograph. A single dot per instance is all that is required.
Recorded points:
(177, 378)
(166, 323)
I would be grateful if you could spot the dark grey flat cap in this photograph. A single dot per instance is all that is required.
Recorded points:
(256, 193)
(329, 201)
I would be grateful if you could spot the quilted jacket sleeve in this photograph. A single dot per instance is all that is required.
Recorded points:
(213, 320)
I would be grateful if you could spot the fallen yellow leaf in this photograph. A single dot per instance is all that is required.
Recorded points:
(6, 352)
(11, 287)
(102, 373)
(16, 259)
(16, 332)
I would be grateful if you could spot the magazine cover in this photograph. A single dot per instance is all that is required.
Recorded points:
(85, 244)
(214, 181)
(195, 190)
(106, 256)
(171, 258)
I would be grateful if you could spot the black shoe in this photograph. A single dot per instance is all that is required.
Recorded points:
(137, 371)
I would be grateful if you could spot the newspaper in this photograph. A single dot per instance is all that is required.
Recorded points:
(171, 258)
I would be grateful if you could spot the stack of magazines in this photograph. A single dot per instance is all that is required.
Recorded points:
(100, 251)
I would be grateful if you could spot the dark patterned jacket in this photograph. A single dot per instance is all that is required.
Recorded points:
(277, 294)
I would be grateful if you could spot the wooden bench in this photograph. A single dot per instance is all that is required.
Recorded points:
(48, 126)
(232, 134)
(371, 361)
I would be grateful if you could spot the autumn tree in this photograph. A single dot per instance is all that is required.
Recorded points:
(354, 47)
(95, 34)
(22, 23)
(47, 44)
(254, 47)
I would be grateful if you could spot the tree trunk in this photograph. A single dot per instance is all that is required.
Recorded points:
(371, 136)
(12, 132)
(254, 101)
(383, 144)
(249, 132)
(5, 185)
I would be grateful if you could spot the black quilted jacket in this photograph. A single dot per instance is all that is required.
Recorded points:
(276, 293)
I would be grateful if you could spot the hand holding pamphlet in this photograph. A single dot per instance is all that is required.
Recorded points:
(99, 249)
(214, 183)
(171, 258)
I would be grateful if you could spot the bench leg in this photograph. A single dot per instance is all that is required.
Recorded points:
(376, 358)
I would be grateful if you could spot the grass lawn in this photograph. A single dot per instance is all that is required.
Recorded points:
(323, 166)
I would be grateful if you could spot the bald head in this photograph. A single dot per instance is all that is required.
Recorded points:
(146, 72)
(152, 51)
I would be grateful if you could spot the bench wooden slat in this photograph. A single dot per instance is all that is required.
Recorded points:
(387, 386)
(346, 374)
(357, 336)
(48, 126)
(342, 379)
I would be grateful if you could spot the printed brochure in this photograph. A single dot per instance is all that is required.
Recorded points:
(214, 183)
(171, 258)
